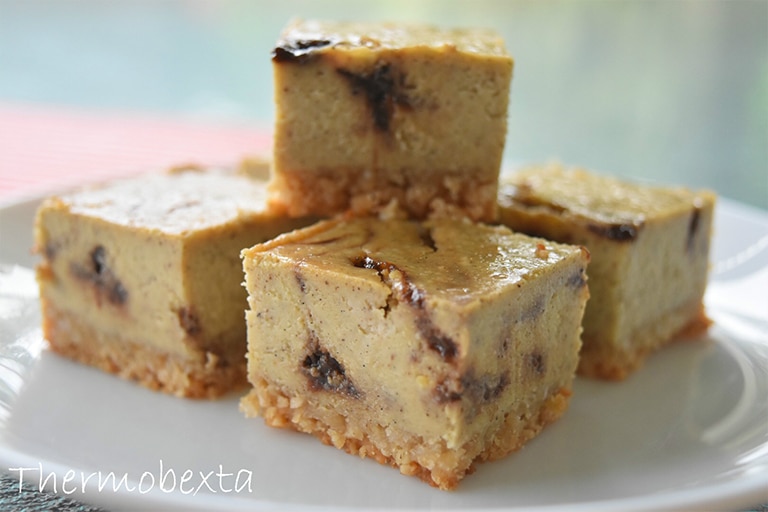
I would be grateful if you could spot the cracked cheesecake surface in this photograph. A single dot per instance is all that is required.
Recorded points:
(374, 114)
(141, 276)
(428, 346)
(650, 256)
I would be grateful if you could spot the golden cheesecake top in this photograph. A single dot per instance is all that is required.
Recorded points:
(175, 202)
(454, 259)
(303, 38)
(593, 196)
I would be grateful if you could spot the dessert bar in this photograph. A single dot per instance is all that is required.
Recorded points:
(650, 256)
(373, 116)
(429, 346)
(142, 277)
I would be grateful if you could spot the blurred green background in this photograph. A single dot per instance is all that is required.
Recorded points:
(669, 91)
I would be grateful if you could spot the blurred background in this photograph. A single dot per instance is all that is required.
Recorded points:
(668, 91)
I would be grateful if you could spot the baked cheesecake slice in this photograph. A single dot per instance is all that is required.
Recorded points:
(650, 256)
(427, 346)
(374, 114)
(141, 276)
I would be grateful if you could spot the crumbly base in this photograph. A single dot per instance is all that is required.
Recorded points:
(211, 377)
(432, 462)
(611, 362)
(307, 193)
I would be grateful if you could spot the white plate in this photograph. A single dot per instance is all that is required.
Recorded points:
(688, 431)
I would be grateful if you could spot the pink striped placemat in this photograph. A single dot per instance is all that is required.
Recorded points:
(46, 148)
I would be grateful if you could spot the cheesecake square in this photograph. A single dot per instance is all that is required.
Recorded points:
(141, 276)
(650, 256)
(371, 115)
(429, 346)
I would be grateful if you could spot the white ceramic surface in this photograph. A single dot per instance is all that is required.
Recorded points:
(689, 431)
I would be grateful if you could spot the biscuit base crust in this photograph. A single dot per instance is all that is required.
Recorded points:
(211, 377)
(303, 193)
(432, 462)
(610, 362)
